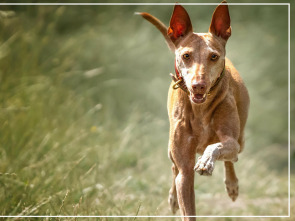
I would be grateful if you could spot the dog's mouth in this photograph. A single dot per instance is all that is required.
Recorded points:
(198, 98)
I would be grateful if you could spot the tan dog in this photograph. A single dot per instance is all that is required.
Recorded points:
(209, 111)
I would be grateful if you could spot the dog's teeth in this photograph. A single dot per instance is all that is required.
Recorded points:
(204, 95)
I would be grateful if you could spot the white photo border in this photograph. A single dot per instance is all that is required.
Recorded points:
(289, 130)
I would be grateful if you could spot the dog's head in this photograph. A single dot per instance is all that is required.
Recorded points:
(200, 57)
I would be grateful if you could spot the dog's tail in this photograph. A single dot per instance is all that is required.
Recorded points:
(160, 26)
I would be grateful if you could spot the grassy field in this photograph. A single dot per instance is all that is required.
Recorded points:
(83, 122)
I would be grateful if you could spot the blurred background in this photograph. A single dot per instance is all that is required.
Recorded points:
(83, 120)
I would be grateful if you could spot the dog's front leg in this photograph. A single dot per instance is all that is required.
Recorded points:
(185, 192)
(227, 129)
(226, 150)
(182, 149)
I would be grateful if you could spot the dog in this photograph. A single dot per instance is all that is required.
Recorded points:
(208, 105)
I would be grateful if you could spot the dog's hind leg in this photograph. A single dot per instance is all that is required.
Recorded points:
(172, 199)
(231, 180)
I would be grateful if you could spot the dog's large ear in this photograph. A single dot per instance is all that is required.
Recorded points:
(220, 24)
(180, 24)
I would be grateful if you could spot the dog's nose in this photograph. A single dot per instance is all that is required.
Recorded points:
(199, 87)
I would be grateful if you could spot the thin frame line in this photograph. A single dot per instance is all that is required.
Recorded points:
(150, 216)
(289, 115)
(79, 4)
(289, 70)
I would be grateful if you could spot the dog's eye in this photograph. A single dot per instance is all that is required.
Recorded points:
(214, 57)
(186, 56)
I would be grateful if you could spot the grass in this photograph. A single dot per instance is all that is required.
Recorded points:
(83, 123)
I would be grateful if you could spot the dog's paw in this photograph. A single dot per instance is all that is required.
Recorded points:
(204, 166)
(172, 200)
(205, 163)
(232, 188)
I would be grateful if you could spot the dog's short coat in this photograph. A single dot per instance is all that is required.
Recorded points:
(208, 115)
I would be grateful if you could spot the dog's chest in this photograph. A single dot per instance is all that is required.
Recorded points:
(203, 133)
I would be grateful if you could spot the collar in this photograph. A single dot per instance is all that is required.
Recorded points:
(179, 82)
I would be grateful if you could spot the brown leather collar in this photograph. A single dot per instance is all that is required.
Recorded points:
(179, 82)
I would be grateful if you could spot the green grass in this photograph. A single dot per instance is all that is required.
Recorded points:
(83, 122)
